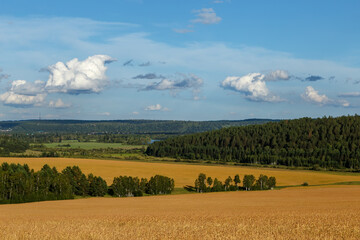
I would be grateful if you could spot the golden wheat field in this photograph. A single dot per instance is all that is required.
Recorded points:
(331, 212)
(183, 174)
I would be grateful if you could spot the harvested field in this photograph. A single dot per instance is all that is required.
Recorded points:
(184, 174)
(331, 212)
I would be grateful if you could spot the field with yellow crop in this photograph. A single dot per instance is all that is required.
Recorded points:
(183, 174)
(331, 212)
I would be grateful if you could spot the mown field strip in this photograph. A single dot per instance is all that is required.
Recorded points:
(331, 212)
(184, 174)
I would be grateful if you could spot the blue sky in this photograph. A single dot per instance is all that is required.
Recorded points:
(179, 59)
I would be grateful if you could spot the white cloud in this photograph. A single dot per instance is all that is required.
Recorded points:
(277, 75)
(206, 16)
(24, 94)
(311, 95)
(74, 77)
(252, 85)
(19, 100)
(77, 77)
(135, 113)
(156, 107)
(344, 103)
(58, 104)
(27, 88)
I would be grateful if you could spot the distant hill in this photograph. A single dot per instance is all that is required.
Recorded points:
(121, 126)
(331, 143)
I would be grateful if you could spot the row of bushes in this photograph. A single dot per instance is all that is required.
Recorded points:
(20, 184)
(207, 184)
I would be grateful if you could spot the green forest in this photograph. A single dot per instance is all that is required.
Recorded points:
(19, 184)
(326, 143)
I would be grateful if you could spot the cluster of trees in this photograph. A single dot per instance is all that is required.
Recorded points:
(11, 144)
(19, 183)
(325, 142)
(125, 186)
(207, 184)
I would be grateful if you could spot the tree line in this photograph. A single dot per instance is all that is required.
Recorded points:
(249, 182)
(119, 126)
(19, 183)
(329, 143)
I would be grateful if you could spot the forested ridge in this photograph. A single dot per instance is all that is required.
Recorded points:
(120, 126)
(331, 143)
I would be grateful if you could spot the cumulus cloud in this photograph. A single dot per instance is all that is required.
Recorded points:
(23, 87)
(58, 104)
(206, 16)
(19, 100)
(313, 78)
(252, 85)
(156, 107)
(77, 77)
(184, 81)
(24, 94)
(277, 75)
(148, 76)
(313, 96)
(73, 77)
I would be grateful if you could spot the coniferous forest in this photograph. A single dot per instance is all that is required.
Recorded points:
(328, 143)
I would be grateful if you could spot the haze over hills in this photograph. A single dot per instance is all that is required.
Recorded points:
(121, 126)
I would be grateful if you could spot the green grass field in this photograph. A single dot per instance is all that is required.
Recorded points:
(90, 145)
